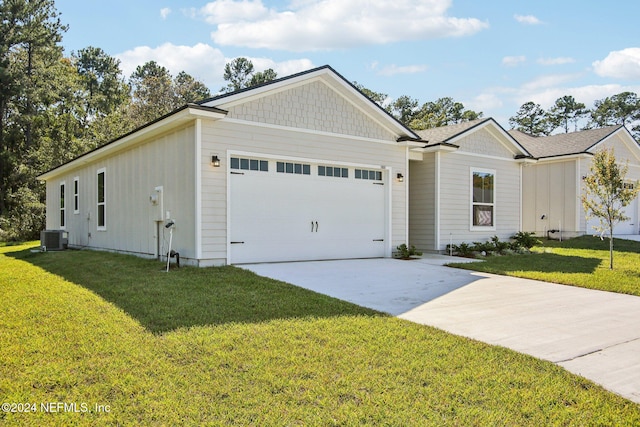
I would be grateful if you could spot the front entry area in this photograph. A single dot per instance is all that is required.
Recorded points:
(283, 210)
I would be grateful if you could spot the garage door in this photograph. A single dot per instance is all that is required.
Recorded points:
(625, 227)
(294, 211)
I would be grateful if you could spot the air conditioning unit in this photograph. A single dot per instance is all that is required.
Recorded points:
(54, 240)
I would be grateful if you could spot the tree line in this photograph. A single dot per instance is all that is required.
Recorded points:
(55, 107)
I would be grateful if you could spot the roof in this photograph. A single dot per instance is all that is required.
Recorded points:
(180, 115)
(565, 143)
(447, 135)
(215, 108)
(333, 79)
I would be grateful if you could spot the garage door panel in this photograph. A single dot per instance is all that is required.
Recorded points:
(289, 217)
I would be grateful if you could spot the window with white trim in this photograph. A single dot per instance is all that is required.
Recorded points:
(483, 198)
(76, 195)
(102, 201)
(63, 209)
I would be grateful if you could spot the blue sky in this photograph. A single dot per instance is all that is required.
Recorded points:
(492, 56)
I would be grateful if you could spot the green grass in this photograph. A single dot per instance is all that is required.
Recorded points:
(222, 346)
(583, 262)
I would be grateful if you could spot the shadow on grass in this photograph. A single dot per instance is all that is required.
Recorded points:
(595, 243)
(186, 296)
(539, 262)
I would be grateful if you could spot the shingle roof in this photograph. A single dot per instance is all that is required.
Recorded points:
(445, 133)
(564, 143)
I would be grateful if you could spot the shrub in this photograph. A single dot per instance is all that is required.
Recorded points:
(406, 252)
(524, 239)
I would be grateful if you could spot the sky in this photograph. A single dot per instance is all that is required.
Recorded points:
(491, 55)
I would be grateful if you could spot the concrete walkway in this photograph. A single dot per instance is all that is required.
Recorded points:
(591, 333)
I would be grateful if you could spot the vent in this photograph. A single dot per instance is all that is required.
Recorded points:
(54, 240)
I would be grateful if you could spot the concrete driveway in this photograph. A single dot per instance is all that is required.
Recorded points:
(591, 333)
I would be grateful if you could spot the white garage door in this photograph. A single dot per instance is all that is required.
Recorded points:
(294, 211)
(625, 227)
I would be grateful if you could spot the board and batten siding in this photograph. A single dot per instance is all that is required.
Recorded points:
(422, 203)
(131, 177)
(231, 136)
(550, 198)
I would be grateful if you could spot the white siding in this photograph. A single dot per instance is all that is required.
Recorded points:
(422, 203)
(130, 179)
(313, 106)
(455, 198)
(223, 137)
(549, 190)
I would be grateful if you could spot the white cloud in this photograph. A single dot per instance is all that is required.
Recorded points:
(392, 70)
(225, 11)
(283, 69)
(309, 25)
(202, 61)
(549, 81)
(527, 19)
(556, 61)
(512, 61)
(165, 12)
(621, 64)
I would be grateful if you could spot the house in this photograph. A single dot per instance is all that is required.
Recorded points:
(552, 187)
(302, 168)
(465, 185)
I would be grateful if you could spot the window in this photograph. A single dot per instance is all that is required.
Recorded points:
(102, 224)
(295, 168)
(483, 198)
(333, 171)
(628, 185)
(249, 164)
(62, 207)
(367, 174)
(76, 195)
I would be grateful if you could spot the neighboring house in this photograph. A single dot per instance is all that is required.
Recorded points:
(552, 187)
(302, 168)
(465, 185)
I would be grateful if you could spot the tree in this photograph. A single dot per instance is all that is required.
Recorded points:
(102, 81)
(156, 92)
(153, 94)
(188, 89)
(238, 73)
(377, 97)
(443, 112)
(619, 109)
(530, 119)
(606, 194)
(565, 111)
(30, 63)
(262, 77)
(404, 108)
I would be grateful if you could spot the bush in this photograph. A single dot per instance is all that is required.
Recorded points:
(524, 239)
(405, 252)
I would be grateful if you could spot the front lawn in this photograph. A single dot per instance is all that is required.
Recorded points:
(132, 345)
(583, 262)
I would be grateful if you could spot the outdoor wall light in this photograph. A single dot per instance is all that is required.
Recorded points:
(400, 177)
(215, 161)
